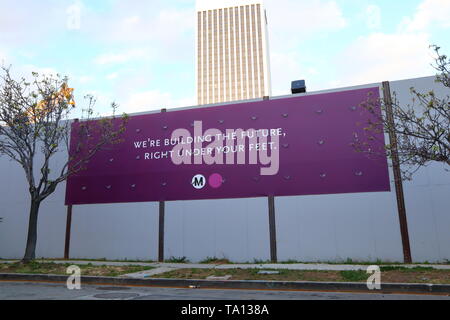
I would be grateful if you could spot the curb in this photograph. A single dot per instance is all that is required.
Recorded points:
(239, 284)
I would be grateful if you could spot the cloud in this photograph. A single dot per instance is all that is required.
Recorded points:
(291, 23)
(298, 20)
(3, 57)
(428, 14)
(400, 55)
(103, 100)
(373, 16)
(286, 67)
(154, 100)
(122, 57)
(156, 22)
(84, 79)
(379, 56)
(112, 76)
(132, 20)
(31, 22)
(74, 13)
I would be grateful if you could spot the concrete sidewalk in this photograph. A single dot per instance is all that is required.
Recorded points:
(159, 267)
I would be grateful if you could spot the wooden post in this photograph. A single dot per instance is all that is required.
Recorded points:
(161, 231)
(272, 229)
(272, 221)
(162, 208)
(397, 175)
(68, 229)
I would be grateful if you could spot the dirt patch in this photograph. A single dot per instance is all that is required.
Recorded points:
(434, 277)
(394, 276)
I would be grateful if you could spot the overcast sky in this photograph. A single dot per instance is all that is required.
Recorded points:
(140, 53)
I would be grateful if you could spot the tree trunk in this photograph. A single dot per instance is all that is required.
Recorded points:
(30, 251)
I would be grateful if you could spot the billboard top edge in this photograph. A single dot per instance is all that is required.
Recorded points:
(312, 93)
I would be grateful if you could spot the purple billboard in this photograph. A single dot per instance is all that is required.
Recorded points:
(282, 147)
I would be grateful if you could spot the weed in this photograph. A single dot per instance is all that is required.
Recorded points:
(177, 260)
(258, 261)
(400, 268)
(215, 260)
(354, 275)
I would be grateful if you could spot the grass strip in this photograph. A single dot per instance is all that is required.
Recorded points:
(35, 267)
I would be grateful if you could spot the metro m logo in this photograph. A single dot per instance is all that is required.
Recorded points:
(198, 181)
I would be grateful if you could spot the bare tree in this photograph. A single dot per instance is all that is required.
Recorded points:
(422, 128)
(35, 126)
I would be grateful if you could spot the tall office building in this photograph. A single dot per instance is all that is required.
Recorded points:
(232, 51)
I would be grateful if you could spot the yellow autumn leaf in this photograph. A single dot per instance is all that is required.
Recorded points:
(64, 93)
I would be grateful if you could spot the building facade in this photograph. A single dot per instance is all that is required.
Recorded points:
(232, 51)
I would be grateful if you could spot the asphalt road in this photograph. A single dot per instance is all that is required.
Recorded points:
(47, 291)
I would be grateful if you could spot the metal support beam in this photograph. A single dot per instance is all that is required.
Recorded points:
(397, 175)
(272, 229)
(68, 229)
